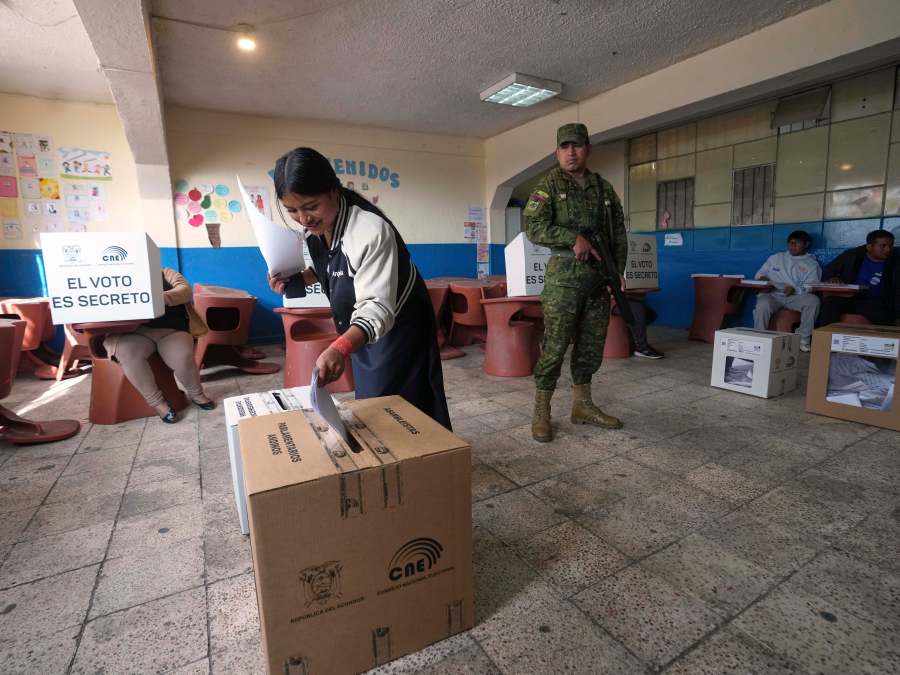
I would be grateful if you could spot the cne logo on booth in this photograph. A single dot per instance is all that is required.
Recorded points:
(414, 557)
(114, 254)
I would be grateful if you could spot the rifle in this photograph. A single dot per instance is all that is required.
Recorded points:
(606, 264)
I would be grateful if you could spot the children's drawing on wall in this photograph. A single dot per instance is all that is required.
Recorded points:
(8, 186)
(78, 163)
(7, 165)
(12, 229)
(259, 197)
(52, 207)
(27, 166)
(25, 144)
(206, 204)
(49, 188)
(31, 188)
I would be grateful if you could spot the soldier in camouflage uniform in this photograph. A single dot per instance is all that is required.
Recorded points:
(569, 203)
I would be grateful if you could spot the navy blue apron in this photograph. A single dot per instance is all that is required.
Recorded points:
(406, 361)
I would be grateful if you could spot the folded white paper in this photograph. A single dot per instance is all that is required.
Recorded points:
(324, 406)
(281, 247)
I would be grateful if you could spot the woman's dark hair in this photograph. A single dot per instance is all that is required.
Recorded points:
(800, 235)
(304, 171)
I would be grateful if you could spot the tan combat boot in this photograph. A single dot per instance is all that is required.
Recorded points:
(585, 412)
(540, 422)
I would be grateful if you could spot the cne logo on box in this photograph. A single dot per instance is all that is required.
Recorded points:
(114, 254)
(414, 557)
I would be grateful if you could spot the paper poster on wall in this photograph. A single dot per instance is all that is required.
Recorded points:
(205, 204)
(46, 167)
(25, 144)
(12, 229)
(674, 239)
(7, 165)
(78, 215)
(44, 146)
(483, 252)
(99, 214)
(52, 207)
(81, 164)
(483, 270)
(259, 197)
(55, 226)
(9, 187)
(76, 227)
(49, 188)
(27, 166)
(9, 208)
(33, 208)
(31, 188)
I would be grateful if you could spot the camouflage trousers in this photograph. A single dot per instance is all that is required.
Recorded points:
(576, 311)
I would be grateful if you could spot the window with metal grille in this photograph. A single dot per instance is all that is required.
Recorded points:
(753, 198)
(675, 204)
(807, 110)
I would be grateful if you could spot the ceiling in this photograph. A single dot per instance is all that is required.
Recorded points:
(419, 65)
(413, 65)
(45, 51)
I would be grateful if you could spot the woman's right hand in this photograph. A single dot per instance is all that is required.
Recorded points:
(276, 283)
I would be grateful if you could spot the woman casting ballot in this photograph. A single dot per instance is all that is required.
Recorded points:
(379, 302)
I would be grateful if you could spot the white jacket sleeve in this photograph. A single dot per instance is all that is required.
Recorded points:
(764, 270)
(813, 276)
(371, 250)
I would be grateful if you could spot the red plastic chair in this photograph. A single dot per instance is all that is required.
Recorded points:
(307, 335)
(13, 428)
(857, 319)
(784, 320)
(497, 290)
(228, 320)
(618, 337)
(714, 299)
(468, 320)
(114, 399)
(35, 312)
(77, 348)
(439, 295)
(511, 347)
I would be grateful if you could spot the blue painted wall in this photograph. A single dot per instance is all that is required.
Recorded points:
(726, 250)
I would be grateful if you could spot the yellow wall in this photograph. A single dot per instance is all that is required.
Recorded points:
(439, 176)
(82, 125)
(833, 171)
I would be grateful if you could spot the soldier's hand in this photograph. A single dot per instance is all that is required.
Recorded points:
(622, 283)
(583, 249)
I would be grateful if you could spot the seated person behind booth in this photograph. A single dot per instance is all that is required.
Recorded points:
(789, 272)
(172, 335)
(643, 315)
(876, 265)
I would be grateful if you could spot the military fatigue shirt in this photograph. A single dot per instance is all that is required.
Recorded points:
(559, 209)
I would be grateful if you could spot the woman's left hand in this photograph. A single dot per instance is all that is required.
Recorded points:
(330, 364)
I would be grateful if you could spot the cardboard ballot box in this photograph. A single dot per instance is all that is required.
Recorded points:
(361, 554)
(525, 265)
(757, 362)
(102, 276)
(241, 407)
(853, 373)
(641, 266)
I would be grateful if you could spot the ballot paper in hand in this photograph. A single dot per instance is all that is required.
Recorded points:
(281, 247)
(324, 406)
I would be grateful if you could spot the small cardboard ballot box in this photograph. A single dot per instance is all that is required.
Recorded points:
(102, 276)
(525, 266)
(853, 373)
(641, 266)
(757, 362)
(241, 407)
(362, 552)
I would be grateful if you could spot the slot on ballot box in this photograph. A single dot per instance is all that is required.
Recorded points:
(362, 552)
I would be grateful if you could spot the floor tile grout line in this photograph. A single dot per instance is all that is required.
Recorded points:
(206, 606)
(112, 532)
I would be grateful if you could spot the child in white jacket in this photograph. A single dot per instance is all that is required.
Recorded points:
(789, 272)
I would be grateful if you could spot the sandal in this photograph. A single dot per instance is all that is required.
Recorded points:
(209, 405)
(170, 417)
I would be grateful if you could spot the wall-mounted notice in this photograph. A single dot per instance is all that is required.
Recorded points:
(673, 239)
(7, 163)
(12, 229)
(9, 187)
(81, 164)
(259, 197)
(31, 188)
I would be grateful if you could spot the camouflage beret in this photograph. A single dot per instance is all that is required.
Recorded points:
(572, 133)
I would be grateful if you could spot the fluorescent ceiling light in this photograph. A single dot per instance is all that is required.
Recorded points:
(245, 40)
(521, 90)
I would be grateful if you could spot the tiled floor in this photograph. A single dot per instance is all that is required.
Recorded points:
(715, 533)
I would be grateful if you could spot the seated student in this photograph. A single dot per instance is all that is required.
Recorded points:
(789, 272)
(172, 335)
(642, 316)
(875, 265)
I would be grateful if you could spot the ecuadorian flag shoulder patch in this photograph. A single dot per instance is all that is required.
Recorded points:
(535, 201)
